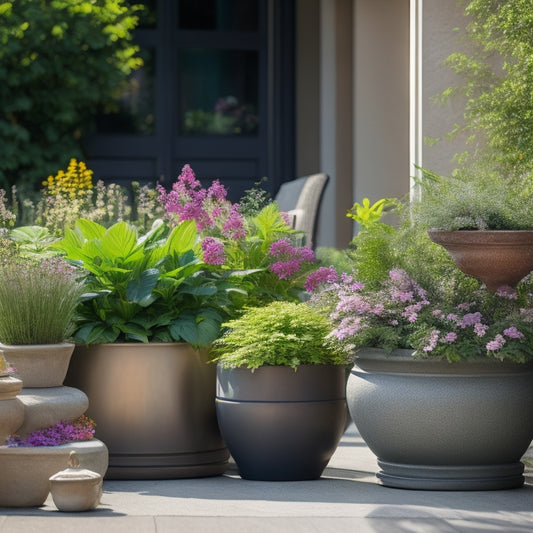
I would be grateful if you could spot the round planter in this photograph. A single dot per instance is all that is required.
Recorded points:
(39, 365)
(435, 425)
(11, 409)
(280, 424)
(496, 258)
(26, 472)
(154, 405)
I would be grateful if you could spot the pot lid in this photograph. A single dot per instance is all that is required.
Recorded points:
(74, 472)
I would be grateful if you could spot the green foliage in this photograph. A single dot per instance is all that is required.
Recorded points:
(475, 198)
(59, 63)
(152, 288)
(281, 333)
(498, 79)
(365, 214)
(37, 300)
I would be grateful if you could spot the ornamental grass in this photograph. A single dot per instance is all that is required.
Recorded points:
(38, 300)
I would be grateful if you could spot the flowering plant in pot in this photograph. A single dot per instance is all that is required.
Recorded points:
(485, 220)
(280, 392)
(439, 358)
(151, 308)
(252, 244)
(38, 300)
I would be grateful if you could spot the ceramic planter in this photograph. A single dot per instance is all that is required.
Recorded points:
(495, 257)
(435, 425)
(39, 365)
(280, 424)
(154, 405)
(26, 472)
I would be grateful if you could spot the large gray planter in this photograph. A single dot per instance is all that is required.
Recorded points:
(434, 425)
(280, 424)
(154, 406)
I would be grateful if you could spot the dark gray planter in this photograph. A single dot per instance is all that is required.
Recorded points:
(440, 426)
(280, 424)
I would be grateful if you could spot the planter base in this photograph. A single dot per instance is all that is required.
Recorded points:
(424, 477)
(167, 466)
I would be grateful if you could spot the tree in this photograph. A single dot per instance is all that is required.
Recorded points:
(59, 61)
(498, 80)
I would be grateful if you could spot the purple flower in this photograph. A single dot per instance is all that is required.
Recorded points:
(285, 269)
(513, 333)
(213, 251)
(282, 247)
(507, 292)
(470, 319)
(495, 344)
(449, 337)
(319, 276)
(480, 329)
(234, 226)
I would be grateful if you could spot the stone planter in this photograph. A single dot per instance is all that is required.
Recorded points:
(495, 257)
(435, 425)
(39, 365)
(11, 409)
(154, 405)
(279, 424)
(26, 472)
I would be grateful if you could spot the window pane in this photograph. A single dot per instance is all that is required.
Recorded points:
(134, 107)
(227, 15)
(218, 92)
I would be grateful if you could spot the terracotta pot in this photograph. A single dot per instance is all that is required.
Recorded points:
(154, 405)
(435, 425)
(39, 365)
(496, 258)
(279, 424)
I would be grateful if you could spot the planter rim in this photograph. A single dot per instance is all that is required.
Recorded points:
(484, 236)
(78, 446)
(26, 346)
(131, 344)
(402, 361)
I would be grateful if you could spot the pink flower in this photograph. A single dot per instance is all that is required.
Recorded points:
(282, 247)
(450, 337)
(213, 251)
(507, 292)
(285, 269)
(513, 333)
(319, 276)
(495, 344)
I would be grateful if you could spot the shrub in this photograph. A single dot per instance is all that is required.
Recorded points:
(59, 62)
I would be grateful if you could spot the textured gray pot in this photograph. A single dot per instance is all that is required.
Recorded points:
(440, 426)
(154, 407)
(280, 424)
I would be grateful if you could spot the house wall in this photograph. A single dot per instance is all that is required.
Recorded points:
(442, 34)
(367, 74)
(353, 65)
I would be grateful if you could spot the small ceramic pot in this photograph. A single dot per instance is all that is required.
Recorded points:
(76, 489)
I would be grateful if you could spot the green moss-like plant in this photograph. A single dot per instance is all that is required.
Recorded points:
(476, 197)
(282, 333)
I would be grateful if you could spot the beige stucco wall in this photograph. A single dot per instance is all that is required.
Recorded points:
(354, 60)
(439, 40)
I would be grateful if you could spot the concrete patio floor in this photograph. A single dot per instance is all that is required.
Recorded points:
(346, 499)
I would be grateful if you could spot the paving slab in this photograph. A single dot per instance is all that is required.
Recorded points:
(346, 499)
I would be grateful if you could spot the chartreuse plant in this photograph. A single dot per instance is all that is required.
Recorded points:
(281, 333)
(149, 288)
